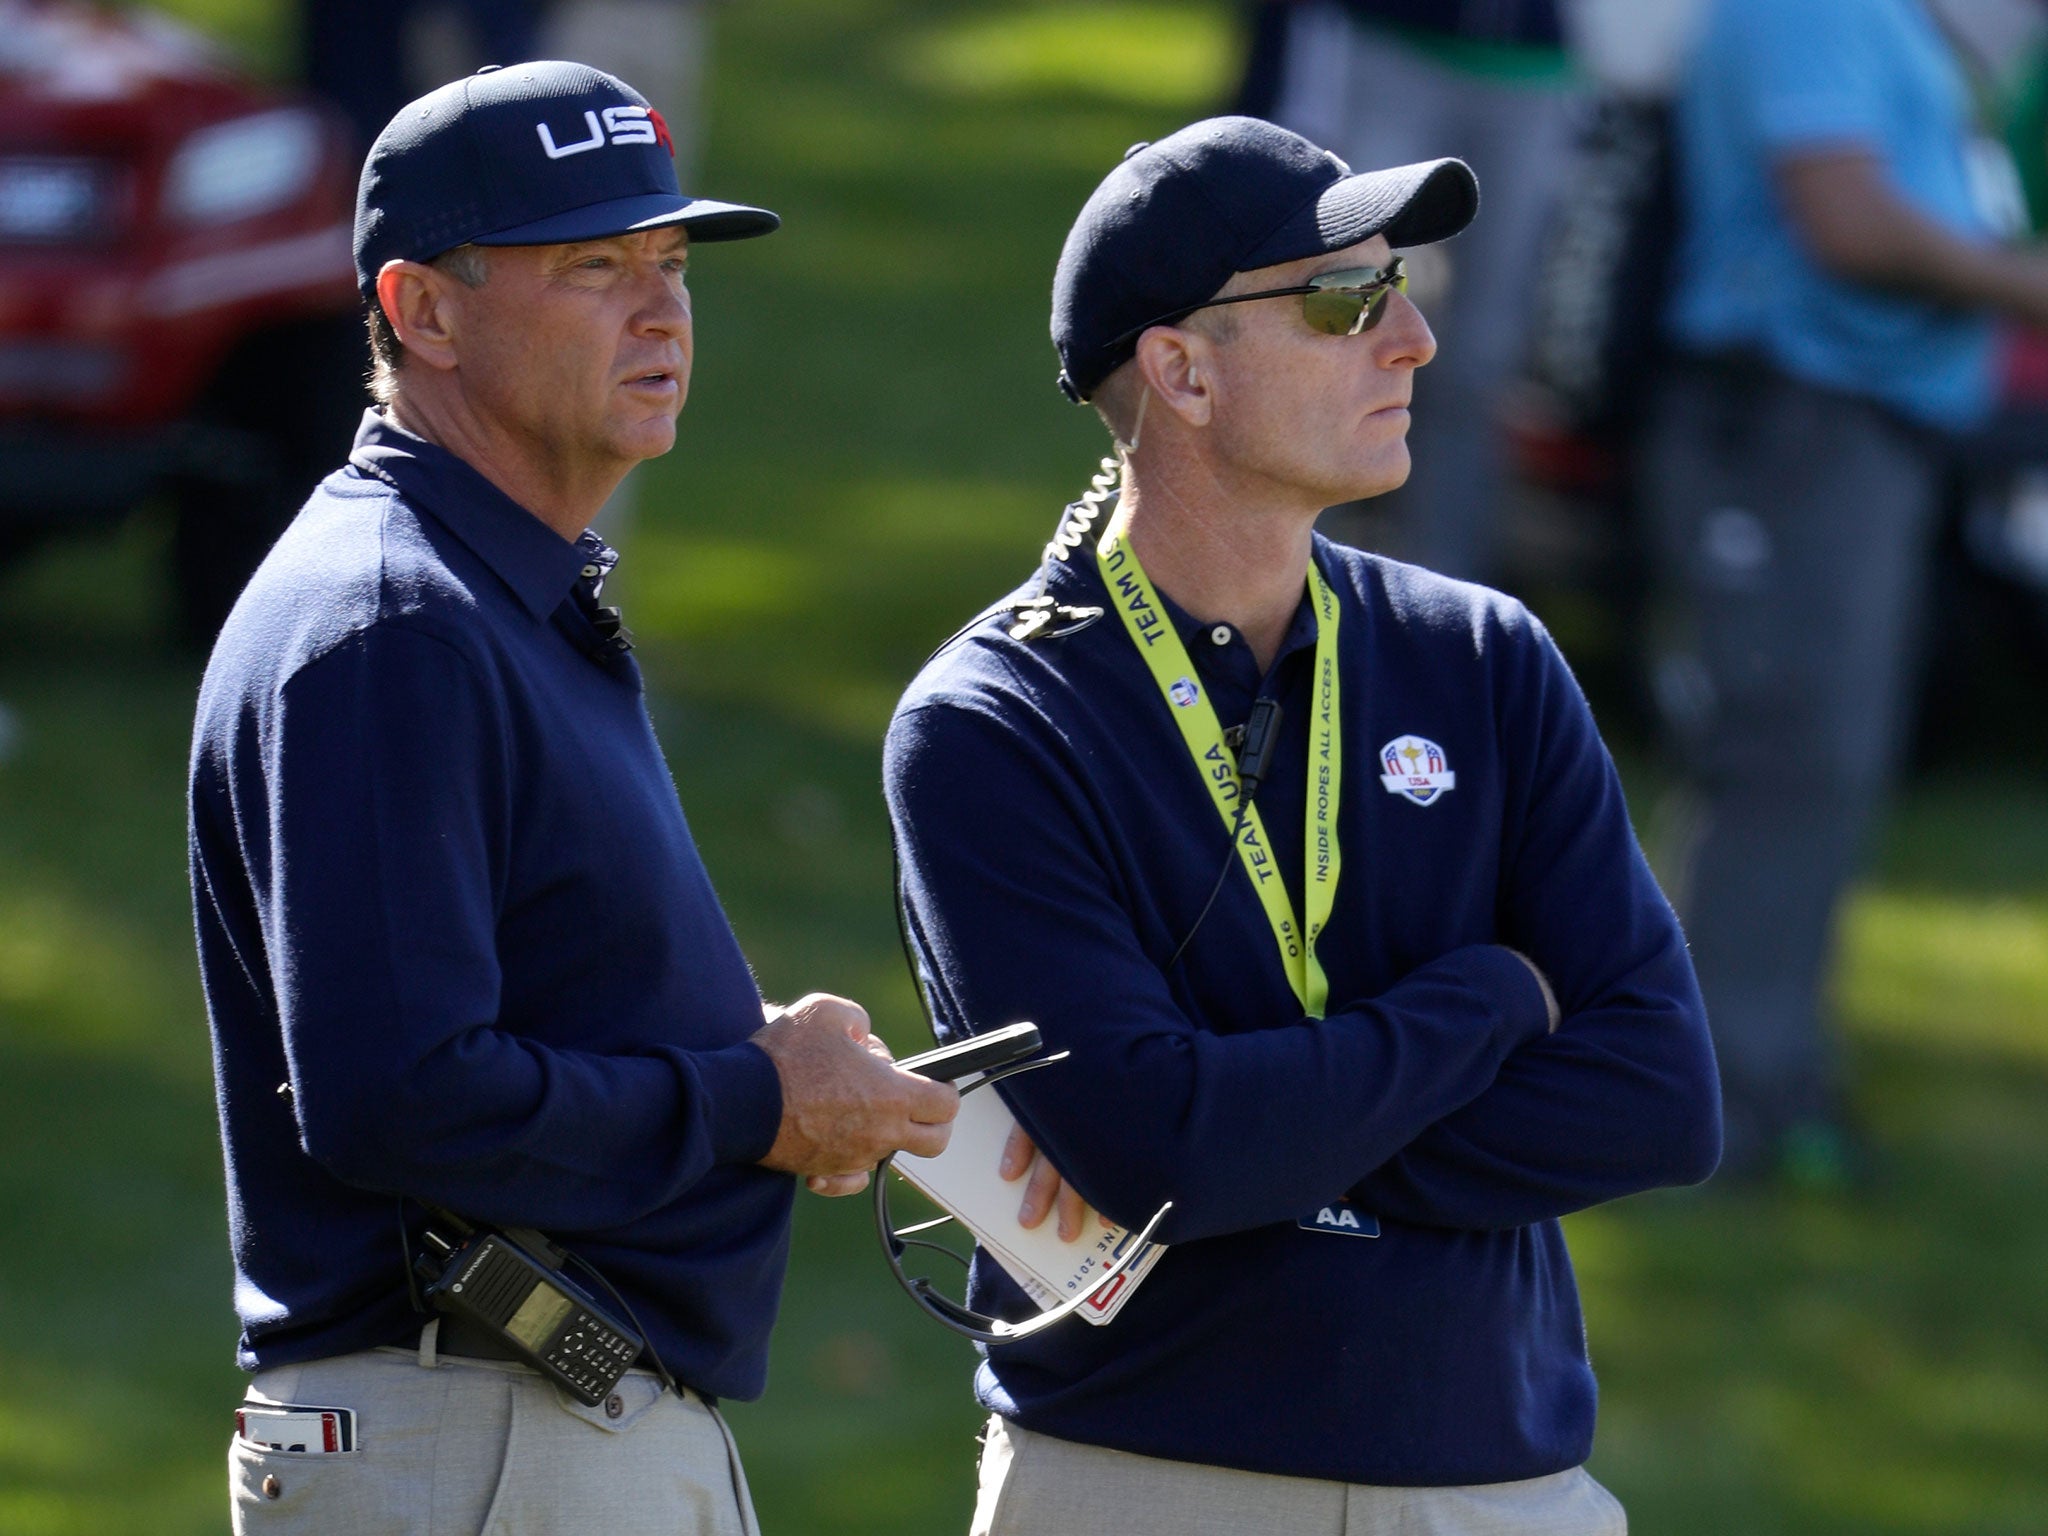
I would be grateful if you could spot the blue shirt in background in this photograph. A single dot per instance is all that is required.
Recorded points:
(1772, 78)
(457, 941)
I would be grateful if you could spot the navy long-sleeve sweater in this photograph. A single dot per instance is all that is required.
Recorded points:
(457, 941)
(1058, 845)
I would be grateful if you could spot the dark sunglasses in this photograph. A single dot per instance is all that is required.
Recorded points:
(1333, 303)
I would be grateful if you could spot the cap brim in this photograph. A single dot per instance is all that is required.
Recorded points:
(1409, 204)
(703, 218)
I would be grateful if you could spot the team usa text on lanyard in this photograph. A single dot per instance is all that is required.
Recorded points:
(1144, 618)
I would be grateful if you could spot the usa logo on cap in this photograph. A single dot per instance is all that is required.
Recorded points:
(543, 153)
(1416, 768)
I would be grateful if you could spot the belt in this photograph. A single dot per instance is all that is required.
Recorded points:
(467, 1340)
(472, 1341)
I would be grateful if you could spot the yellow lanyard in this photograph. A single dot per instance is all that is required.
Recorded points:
(1144, 617)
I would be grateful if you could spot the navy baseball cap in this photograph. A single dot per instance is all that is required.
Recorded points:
(530, 154)
(1178, 218)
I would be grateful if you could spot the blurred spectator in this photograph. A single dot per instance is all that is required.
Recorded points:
(1386, 82)
(360, 54)
(2026, 129)
(1599, 278)
(372, 56)
(1632, 48)
(662, 44)
(1837, 271)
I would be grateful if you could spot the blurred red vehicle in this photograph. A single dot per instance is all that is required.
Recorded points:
(178, 313)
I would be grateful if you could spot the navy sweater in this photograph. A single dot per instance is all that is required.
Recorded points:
(456, 939)
(1058, 845)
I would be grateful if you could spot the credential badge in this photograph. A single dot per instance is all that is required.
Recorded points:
(1342, 1219)
(1417, 768)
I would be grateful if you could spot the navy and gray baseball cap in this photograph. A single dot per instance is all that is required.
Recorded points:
(1170, 226)
(530, 154)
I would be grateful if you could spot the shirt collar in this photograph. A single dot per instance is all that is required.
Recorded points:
(538, 564)
(1078, 576)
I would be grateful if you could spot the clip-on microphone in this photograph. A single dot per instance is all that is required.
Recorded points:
(1261, 735)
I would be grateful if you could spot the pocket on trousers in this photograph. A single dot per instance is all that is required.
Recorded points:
(284, 1493)
(629, 1402)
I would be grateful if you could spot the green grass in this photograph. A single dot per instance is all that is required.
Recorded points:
(874, 448)
(1779, 1364)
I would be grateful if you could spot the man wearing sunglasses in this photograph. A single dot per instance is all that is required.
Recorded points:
(1373, 993)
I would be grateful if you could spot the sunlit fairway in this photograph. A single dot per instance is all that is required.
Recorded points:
(873, 449)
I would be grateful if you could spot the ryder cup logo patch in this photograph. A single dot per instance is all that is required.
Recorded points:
(1417, 768)
(1184, 692)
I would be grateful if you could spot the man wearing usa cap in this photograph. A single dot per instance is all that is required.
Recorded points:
(458, 946)
(1373, 991)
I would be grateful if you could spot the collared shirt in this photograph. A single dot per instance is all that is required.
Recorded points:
(1058, 846)
(458, 944)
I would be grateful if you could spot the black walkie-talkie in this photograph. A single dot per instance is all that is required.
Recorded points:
(516, 1291)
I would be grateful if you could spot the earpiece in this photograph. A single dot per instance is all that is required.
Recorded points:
(1138, 426)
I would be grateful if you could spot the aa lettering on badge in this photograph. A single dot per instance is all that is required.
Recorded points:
(1342, 1219)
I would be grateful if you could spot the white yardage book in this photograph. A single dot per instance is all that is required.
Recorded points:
(965, 1180)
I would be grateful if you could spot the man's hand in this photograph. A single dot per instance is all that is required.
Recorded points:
(1847, 213)
(1045, 1191)
(844, 1107)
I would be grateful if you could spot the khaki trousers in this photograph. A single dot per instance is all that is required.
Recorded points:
(1035, 1485)
(461, 1447)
